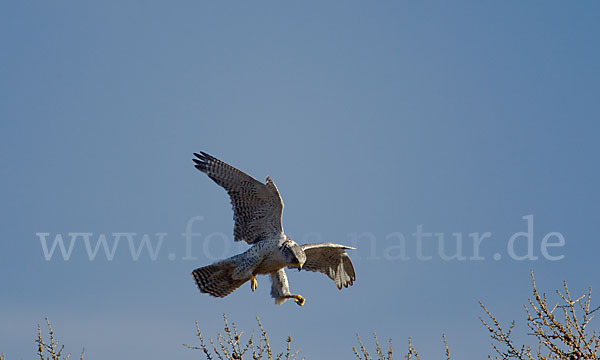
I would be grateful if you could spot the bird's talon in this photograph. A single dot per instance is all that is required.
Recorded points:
(253, 283)
(299, 300)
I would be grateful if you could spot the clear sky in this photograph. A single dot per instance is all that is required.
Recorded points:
(373, 118)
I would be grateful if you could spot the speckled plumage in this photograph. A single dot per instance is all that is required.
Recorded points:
(257, 210)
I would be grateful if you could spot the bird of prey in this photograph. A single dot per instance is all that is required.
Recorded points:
(257, 210)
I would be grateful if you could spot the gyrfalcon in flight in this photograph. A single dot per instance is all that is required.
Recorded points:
(257, 210)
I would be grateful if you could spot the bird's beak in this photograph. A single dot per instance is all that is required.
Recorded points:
(300, 267)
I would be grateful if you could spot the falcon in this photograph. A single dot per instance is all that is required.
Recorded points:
(257, 210)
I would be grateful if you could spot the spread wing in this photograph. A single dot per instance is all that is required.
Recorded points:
(257, 207)
(331, 260)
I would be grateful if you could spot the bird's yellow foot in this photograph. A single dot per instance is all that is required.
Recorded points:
(299, 299)
(253, 283)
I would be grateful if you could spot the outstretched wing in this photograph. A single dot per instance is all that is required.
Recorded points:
(257, 207)
(331, 260)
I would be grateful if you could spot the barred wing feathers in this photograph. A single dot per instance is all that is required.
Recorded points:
(331, 260)
(257, 207)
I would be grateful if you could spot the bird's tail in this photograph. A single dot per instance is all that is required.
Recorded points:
(216, 279)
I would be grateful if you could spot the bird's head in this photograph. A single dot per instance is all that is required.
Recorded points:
(294, 255)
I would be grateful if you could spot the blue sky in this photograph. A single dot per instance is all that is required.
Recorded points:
(372, 119)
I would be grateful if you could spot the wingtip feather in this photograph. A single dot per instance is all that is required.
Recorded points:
(208, 156)
(204, 156)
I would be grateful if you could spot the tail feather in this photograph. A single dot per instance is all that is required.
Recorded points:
(216, 279)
